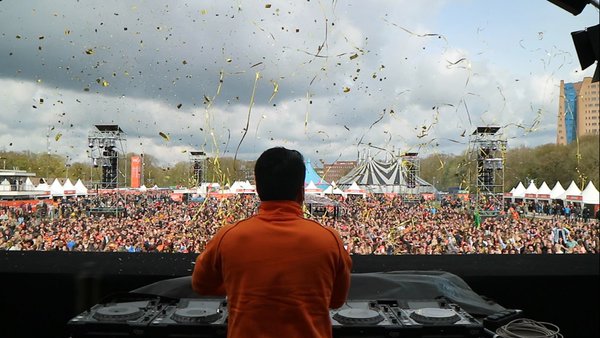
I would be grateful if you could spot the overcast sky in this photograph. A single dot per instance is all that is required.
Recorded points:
(329, 78)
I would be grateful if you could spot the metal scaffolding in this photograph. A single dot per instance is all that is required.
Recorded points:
(107, 150)
(487, 155)
(198, 160)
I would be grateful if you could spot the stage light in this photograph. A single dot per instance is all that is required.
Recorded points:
(572, 6)
(586, 44)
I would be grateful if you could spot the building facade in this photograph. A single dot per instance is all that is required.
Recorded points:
(337, 170)
(578, 110)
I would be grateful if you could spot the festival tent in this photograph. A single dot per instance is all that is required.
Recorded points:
(43, 186)
(5, 185)
(311, 175)
(557, 191)
(384, 177)
(333, 189)
(531, 191)
(571, 191)
(519, 191)
(69, 188)
(56, 188)
(28, 186)
(80, 188)
(143, 188)
(311, 188)
(590, 194)
(355, 190)
(543, 192)
(242, 187)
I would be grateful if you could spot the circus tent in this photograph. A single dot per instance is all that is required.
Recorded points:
(384, 177)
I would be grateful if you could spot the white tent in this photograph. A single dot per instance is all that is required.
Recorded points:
(43, 186)
(590, 194)
(311, 188)
(519, 191)
(544, 192)
(143, 188)
(28, 186)
(80, 188)
(571, 191)
(557, 191)
(69, 188)
(333, 189)
(56, 189)
(237, 187)
(355, 190)
(242, 187)
(5, 185)
(531, 191)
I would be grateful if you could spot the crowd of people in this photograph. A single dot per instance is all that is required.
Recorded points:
(378, 224)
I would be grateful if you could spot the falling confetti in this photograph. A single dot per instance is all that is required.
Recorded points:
(89, 51)
(164, 136)
(57, 137)
(346, 89)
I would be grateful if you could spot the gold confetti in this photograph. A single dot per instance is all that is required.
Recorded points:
(164, 136)
(67, 31)
(268, 6)
(228, 60)
(353, 56)
(18, 36)
(57, 137)
(89, 51)
(204, 12)
(346, 89)
(105, 83)
(275, 90)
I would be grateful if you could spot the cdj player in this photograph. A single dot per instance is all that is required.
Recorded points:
(203, 318)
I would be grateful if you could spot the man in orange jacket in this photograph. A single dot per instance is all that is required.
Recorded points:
(281, 272)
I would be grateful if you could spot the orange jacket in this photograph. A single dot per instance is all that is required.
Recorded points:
(281, 273)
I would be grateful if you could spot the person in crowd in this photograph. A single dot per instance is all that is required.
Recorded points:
(276, 259)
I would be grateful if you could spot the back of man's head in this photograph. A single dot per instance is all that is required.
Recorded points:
(279, 174)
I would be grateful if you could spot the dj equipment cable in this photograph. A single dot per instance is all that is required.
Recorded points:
(528, 328)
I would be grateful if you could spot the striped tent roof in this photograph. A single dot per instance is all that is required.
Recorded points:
(383, 177)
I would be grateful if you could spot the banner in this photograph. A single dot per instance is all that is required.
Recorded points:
(136, 171)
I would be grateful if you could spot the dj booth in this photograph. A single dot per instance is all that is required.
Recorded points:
(412, 304)
(43, 292)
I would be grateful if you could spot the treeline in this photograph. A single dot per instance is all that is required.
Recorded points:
(50, 166)
(549, 163)
(578, 161)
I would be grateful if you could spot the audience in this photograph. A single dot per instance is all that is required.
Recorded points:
(377, 224)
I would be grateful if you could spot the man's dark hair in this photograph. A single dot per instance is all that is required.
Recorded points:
(279, 174)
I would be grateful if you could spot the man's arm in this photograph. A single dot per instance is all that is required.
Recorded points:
(207, 277)
(341, 284)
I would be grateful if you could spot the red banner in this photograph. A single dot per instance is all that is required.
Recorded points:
(543, 196)
(136, 171)
(574, 198)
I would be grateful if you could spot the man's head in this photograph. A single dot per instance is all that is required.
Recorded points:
(279, 174)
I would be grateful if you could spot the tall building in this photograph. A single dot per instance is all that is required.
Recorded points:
(578, 110)
(337, 170)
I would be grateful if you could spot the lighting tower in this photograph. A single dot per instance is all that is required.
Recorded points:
(487, 149)
(106, 148)
(198, 159)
